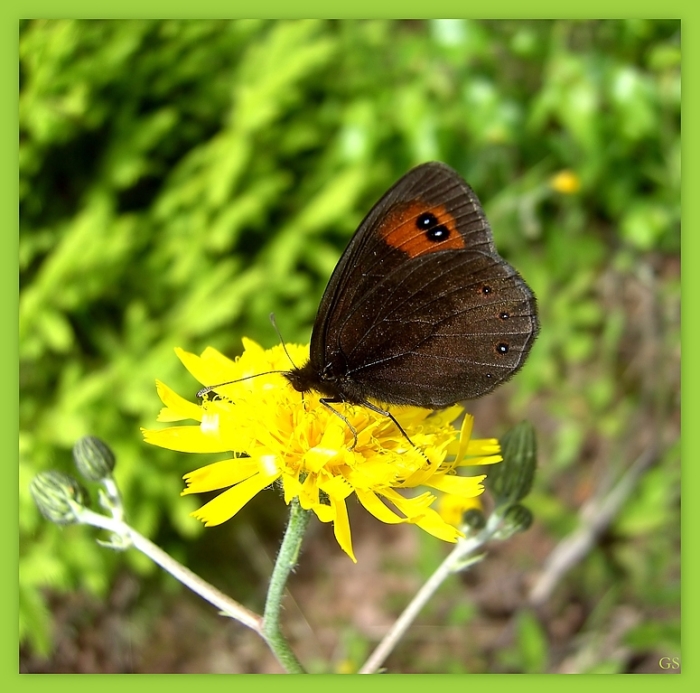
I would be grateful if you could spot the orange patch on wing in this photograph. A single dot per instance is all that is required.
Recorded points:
(400, 229)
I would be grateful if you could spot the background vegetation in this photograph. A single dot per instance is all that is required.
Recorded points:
(180, 180)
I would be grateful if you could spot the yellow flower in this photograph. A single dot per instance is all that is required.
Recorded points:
(452, 508)
(566, 182)
(276, 435)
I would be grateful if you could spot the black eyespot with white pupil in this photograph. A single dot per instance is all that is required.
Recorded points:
(431, 226)
(502, 348)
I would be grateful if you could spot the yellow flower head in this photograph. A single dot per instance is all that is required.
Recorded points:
(566, 182)
(452, 507)
(275, 434)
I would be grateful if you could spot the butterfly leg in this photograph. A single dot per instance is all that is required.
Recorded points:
(326, 402)
(384, 412)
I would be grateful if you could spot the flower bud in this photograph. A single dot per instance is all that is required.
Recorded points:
(511, 480)
(93, 458)
(517, 519)
(55, 494)
(474, 519)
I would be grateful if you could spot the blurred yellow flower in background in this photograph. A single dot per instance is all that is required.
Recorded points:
(565, 182)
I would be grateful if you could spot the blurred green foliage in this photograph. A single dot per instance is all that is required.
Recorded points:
(180, 180)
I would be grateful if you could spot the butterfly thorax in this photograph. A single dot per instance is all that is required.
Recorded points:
(326, 381)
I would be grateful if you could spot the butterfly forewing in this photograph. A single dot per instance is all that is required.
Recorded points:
(368, 258)
(448, 327)
(420, 309)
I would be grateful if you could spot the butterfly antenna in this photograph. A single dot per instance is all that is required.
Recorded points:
(279, 334)
(206, 390)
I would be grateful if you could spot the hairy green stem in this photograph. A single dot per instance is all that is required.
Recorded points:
(286, 562)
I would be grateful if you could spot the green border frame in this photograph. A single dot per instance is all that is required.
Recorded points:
(365, 9)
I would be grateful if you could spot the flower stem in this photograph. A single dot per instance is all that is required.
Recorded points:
(453, 563)
(286, 562)
(130, 536)
(267, 626)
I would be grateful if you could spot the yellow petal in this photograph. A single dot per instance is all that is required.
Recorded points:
(324, 512)
(484, 446)
(421, 476)
(374, 505)
(432, 523)
(250, 345)
(480, 461)
(186, 439)
(214, 356)
(465, 435)
(268, 464)
(177, 407)
(341, 527)
(317, 458)
(193, 364)
(308, 497)
(410, 507)
(336, 487)
(228, 503)
(464, 486)
(291, 486)
(220, 475)
(209, 369)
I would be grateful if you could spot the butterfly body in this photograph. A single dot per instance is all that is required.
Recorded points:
(421, 309)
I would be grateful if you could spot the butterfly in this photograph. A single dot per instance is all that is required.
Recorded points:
(421, 309)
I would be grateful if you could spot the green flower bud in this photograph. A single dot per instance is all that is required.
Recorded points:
(511, 480)
(474, 519)
(517, 519)
(93, 458)
(55, 493)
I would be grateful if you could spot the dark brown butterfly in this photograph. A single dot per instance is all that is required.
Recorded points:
(420, 309)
